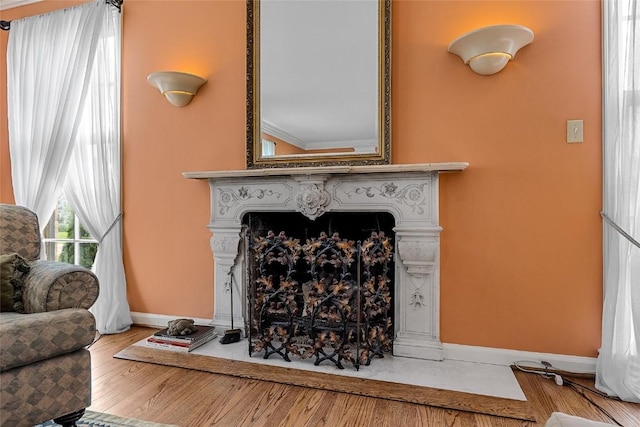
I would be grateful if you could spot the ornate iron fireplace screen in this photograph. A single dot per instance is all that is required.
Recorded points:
(341, 313)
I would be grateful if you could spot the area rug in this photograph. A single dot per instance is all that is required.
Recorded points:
(422, 382)
(100, 419)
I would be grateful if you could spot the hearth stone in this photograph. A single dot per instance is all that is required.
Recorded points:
(408, 192)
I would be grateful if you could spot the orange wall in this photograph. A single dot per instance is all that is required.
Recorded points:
(521, 246)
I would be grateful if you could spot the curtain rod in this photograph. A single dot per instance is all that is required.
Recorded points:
(6, 25)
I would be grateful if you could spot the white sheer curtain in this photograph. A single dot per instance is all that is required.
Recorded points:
(618, 367)
(93, 181)
(63, 80)
(48, 62)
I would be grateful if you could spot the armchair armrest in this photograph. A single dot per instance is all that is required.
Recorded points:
(54, 285)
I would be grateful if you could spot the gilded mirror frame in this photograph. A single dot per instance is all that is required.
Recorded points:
(253, 126)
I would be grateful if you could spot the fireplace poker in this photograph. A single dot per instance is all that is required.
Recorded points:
(358, 304)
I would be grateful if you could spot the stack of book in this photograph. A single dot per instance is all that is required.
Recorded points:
(186, 343)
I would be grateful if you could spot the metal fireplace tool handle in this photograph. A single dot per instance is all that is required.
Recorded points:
(232, 335)
(358, 305)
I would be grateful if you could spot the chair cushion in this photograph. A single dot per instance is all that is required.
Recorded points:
(13, 268)
(28, 338)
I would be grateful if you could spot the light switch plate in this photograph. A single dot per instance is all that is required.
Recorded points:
(574, 131)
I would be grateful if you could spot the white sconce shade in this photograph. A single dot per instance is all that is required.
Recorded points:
(177, 87)
(488, 50)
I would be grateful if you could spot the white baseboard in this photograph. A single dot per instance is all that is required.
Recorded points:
(465, 353)
(161, 320)
(506, 357)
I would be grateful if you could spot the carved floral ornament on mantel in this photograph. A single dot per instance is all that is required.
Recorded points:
(312, 199)
(411, 195)
(229, 197)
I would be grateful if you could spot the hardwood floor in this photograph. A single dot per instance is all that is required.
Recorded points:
(192, 398)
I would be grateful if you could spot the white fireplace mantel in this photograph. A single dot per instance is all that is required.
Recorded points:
(408, 192)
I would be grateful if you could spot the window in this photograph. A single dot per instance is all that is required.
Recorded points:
(66, 240)
(268, 148)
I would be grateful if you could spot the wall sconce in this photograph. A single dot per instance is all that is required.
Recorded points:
(177, 87)
(488, 50)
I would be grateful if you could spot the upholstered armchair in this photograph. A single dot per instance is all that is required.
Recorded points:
(45, 328)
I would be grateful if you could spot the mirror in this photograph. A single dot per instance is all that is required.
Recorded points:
(318, 83)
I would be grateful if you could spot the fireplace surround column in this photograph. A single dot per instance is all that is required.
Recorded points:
(417, 298)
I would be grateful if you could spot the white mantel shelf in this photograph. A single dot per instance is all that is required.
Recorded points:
(334, 170)
(408, 192)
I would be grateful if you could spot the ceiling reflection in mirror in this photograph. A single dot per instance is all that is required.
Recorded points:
(318, 79)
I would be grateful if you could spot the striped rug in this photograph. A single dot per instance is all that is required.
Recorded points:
(100, 419)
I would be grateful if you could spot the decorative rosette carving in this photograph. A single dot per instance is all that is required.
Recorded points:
(312, 199)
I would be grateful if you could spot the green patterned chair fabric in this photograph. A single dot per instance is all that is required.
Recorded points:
(45, 368)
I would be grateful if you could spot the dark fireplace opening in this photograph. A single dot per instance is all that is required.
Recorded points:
(321, 289)
(351, 225)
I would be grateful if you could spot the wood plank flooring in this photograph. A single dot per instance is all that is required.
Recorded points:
(193, 398)
(318, 381)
